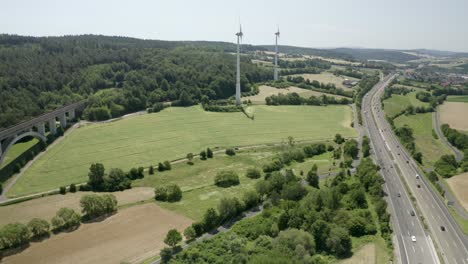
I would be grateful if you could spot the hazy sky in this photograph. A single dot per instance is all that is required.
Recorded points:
(399, 24)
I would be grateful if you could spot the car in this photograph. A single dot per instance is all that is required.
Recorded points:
(407, 161)
(417, 176)
(413, 238)
(398, 195)
(419, 186)
(442, 228)
(412, 213)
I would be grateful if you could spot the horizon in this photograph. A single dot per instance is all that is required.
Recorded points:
(337, 23)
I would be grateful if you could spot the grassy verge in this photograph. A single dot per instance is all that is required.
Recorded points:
(462, 223)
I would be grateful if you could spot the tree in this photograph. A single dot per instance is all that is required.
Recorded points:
(151, 170)
(250, 199)
(65, 218)
(209, 153)
(63, 190)
(290, 141)
(167, 165)
(160, 193)
(229, 208)
(210, 219)
(174, 193)
(173, 238)
(189, 233)
(72, 188)
(312, 177)
(338, 139)
(116, 181)
(38, 227)
(96, 176)
(351, 148)
(290, 240)
(166, 254)
(226, 178)
(263, 187)
(14, 235)
(161, 167)
(203, 155)
(190, 158)
(339, 242)
(93, 205)
(253, 173)
(293, 191)
(230, 152)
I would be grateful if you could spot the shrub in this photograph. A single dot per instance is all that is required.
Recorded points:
(251, 199)
(209, 153)
(230, 152)
(38, 227)
(170, 193)
(229, 208)
(72, 188)
(14, 235)
(65, 218)
(189, 233)
(253, 173)
(63, 190)
(160, 193)
(210, 219)
(203, 155)
(167, 165)
(226, 178)
(151, 170)
(161, 167)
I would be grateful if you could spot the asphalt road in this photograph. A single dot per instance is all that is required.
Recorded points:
(405, 225)
(393, 158)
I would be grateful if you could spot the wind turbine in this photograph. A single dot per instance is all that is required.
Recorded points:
(238, 87)
(277, 34)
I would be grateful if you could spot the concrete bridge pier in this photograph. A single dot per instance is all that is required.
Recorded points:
(41, 128)
(63, 120)
(53, 126)
(71, 114)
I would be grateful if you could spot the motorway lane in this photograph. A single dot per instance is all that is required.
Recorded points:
(452, 241)
(404, 224)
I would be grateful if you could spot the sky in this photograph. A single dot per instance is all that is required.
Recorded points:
(391, 24)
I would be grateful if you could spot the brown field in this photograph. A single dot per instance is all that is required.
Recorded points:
(459, 186)
(365, 255)
(46, 207)
(266, 91)
(455, 114)
(328, 77)
(130, 236)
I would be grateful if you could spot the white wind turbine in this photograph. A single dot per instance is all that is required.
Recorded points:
(238, 87)
(277, 34)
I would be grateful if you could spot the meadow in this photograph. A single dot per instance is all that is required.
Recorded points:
(397, 103)
(18, 149)
(328, 77)
(265, 91)
(430, 147)
(171, 134)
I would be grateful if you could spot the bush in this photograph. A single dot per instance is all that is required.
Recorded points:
(203, 155)
(151, 170)
(230, 152)
(117, 181)
(65, 218)
(253, 173)
(14, 235)
(94, 205)
(209, 153)
(161, 167)
(189, 233)
(63, 190)
(170, 193)
(167, 165)
(226, 179)
(229, 208)
(38, 227)
(251, 199)
(160, 193)
(72, 188)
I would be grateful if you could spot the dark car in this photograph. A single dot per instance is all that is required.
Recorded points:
(442, 228)
(419, 186)
(412, 213)
(398, 195)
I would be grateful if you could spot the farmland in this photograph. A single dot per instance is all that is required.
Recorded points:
(430, 147)
(454, 114)
(397, 103)
(459, 185)
(458, 98)
(328, 77)
(171, 134)
(131, 235)
(265, 91)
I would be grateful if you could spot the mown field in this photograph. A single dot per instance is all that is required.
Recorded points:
(16, 150)
(430, 147)
(171, 134)
(454, 114)
(457, 98)
(397, 103)
(265, 91)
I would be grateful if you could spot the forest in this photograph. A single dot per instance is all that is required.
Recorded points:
(118, 74)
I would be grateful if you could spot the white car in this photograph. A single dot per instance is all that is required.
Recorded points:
(413, 238)
(417, 176)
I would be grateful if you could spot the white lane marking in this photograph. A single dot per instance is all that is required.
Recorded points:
(408, 233)
(412, 222)
(414, 250)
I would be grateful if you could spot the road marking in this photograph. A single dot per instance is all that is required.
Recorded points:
(414, 250)
(408, 233)
(454, 244)
(412, 222)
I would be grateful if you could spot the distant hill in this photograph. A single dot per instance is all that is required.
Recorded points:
(310, 51)
(395, 56)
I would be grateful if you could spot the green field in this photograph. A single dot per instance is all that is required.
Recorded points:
(458, 98)
(324, 164)
(18, 149)
(171, 134)
(397, 103)
(421, 124)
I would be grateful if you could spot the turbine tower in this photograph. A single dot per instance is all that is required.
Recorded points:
(238, 87)
(277, 34)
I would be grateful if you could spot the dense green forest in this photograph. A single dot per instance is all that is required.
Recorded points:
(41, 74)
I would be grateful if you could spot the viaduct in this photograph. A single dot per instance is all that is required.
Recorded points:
(37, 127)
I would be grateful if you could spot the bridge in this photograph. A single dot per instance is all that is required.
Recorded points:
(36, 127)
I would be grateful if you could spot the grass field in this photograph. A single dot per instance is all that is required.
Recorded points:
(421, 124)
(459, 185)
(458, 98)
(265, 91)
(397, 103)
(46, 207)
(324, 164)
(455, 114)
(18, 149)
(171, 134)
(130, 236)
(327, 77)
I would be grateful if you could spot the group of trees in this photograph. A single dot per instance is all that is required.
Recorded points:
(170, 193)
(349, 72)
(296, 99)
(313, 85)
(16, 235)
(116, 180)
(405, 134)
(365, 85)
(226, 178)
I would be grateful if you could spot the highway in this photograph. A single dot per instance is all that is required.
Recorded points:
(399, 168)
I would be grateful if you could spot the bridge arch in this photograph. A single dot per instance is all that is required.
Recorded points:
(19, 137)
